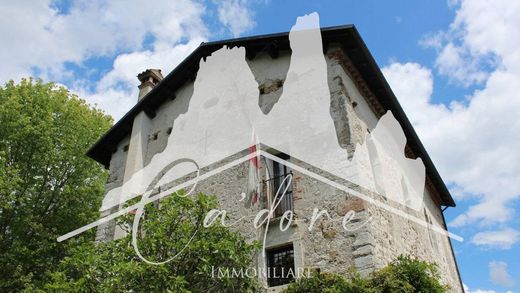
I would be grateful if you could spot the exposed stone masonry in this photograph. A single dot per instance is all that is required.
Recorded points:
(355, 112)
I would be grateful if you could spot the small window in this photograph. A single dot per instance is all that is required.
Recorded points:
(280, 265)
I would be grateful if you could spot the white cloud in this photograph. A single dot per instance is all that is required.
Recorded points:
(503, 239)
(35, 35)
(452, 3)
(37, 39)
(117, 90)
(456, 62)
(482, 35)
(473, 144)
(235, 15)
(468, 143)
(499, 275)
(413, 85)
(468, 290)
(481, 291)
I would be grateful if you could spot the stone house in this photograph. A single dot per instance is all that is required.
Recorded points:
(359, 96)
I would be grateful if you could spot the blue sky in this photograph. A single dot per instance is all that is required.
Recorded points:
(452, 64)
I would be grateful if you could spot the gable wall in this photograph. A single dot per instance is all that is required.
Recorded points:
(386, 236)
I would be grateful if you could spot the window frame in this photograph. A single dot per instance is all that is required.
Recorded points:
(274, 266)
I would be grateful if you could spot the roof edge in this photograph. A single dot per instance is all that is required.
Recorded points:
(102, 150)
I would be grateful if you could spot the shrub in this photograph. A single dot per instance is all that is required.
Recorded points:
(115, 267)
(404, 275)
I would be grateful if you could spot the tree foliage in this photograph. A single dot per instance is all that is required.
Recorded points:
(166, 230)
(47, 185)
(404, 275)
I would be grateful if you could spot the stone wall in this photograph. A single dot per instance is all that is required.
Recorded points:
(328, 246)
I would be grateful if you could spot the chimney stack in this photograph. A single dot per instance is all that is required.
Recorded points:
(138, 145)
(149, 79)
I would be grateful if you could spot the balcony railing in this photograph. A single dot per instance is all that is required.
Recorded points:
(281, 182)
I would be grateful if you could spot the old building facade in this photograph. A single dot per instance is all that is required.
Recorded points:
(359, 96)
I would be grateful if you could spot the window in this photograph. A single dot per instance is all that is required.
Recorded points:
(278, 180)
(280, 265)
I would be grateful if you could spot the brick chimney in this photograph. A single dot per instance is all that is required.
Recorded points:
(149, 79)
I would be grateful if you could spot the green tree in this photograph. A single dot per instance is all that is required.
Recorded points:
(167, 232)
(47, 185)
(404, 275)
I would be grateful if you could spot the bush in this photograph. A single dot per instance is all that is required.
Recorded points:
(330, 283)
(404, 275)
(115, 267)
(407, 274)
